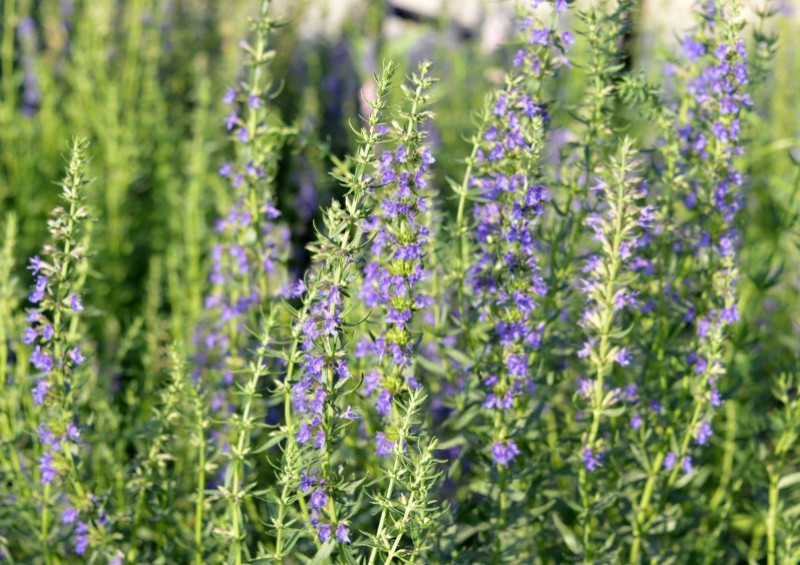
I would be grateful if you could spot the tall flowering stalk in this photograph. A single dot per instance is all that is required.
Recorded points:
(716, 82)
(247, 260)
(392, 284)
(395, 268)
(247, 274)
(317, 372)
(708, 123)
(607, 290)
(505, 277)
(504, 284)
(502, 145)
(57, 355)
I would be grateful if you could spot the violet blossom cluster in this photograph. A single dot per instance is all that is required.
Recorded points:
(717, 77)
(507, 284)
(252, 246)
(393, 274)
(505, 278)
(314, 486)
(321, 369)
(716, 81)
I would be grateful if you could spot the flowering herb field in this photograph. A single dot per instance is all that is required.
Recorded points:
(446, 313)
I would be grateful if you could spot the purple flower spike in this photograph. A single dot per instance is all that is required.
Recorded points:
(624, 357)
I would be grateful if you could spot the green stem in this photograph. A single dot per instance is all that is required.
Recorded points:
(644, 504)
(198, 509)
(772, 517)
(396, 544)
(389, 491)
(238, 464)
(45, 524)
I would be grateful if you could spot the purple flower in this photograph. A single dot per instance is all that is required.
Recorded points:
(703, 433)
(383, 447)
(73, 432)
(591, 460)
(48, 472)
(342, 535)
(539, 36)
(254, 101)
(76, 355)
(636, 421)
(41, 360)
(230, 96)
(306, 482)
(384, 405)
(48, 438)
(39, 290)
(504, 452)
(670, 460)
(324, 532)
(40, 391)
(225, 169)
(231, 120)
(318, 499)
(75, 303)
(693, 49)
(82, 539)
(69, 515)
(30, 335)
(730, 315)
(624, 357)
(35, 264)
(303, 434)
